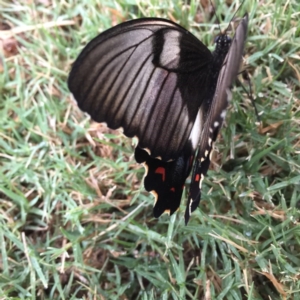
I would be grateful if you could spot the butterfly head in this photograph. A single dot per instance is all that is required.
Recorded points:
(223, 43)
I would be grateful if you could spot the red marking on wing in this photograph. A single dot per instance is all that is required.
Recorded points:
(172, 189)
(162, 171)
(197, 177)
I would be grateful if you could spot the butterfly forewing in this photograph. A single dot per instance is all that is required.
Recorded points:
(138, 76)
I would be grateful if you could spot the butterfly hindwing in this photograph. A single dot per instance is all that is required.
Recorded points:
(165, 180)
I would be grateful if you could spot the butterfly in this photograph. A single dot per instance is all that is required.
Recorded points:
(159, 83)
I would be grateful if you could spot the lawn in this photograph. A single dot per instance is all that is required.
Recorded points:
(75, 220)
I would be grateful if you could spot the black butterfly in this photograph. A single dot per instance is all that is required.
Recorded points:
(158, 82)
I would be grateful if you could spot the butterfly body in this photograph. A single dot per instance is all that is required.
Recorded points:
(160, 83)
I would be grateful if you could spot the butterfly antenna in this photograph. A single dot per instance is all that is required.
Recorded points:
(231, 18)
(216, 15)
(235, 14)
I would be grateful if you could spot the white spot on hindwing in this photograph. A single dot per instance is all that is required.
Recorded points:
(200, 182)
(223, 114)
(216, 124)
(190, 207)
(229, 94)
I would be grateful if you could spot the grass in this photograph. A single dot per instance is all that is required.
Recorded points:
(75, 221)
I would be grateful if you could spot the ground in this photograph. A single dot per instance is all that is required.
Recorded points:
(76, 222)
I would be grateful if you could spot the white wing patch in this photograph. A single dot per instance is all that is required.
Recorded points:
(196, 131)
(170, 54)
(223, 114)
(216, 124)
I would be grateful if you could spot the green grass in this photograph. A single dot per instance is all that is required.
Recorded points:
(75, 220)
